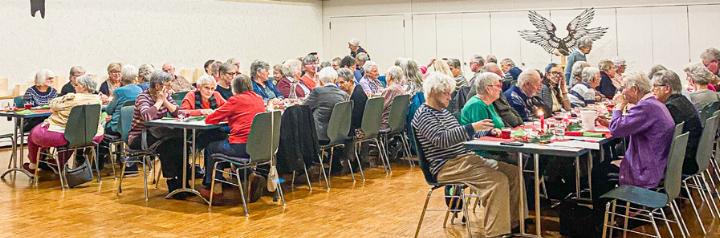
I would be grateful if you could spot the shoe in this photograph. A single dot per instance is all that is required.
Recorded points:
(199, 172)
(205, 193)
(257, 187)
(26, 167)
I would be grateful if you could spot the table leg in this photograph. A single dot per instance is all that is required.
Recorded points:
(194, 159)
(577, 177)
(185, 163)
(536, 171)
(522, 193)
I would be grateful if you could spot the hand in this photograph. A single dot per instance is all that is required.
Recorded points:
(161, 95)
(207, 111)
(496, 132)
(491, 163)
(620, 101)
(602, 121)
(483, 125)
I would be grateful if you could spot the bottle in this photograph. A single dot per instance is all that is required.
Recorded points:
(293, 87)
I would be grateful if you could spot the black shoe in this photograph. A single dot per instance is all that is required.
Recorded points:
(199, 172)
(258, 184)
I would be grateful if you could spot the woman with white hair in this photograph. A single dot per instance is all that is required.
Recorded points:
(370, 82)
(480, 106)
(39, 94)
(584, 46)
(290, 85)
(620, 67)
(395, 78)
(144, 76)
(584, 93)
(576, 72)
(126, 93)
(203, 100)
(322, 100)
(699, 78)
(51, 132)
(355, 48)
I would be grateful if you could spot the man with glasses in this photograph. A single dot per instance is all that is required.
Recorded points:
(75, 72)
(227, 74)
(178, 83)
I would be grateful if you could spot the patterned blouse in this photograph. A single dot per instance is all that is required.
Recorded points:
(37, 98)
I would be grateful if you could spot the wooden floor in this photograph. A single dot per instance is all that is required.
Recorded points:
(383, 206)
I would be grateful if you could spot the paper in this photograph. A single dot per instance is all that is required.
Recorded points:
(577, 144)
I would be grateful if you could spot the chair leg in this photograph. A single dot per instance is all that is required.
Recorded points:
(383, 155)
(332, 155)
(61, 170)
(703, 196)
(158, 171)
(692, 203)
(605, 220)
(677, 218)
(322, 170)
(37, 166)
(652, 220)
(242, 194)
(612, 217)
(422, 214)
(307, 177)
(709, 193)
(145, 175)
(122, 175)
(352, 174)
(681, 220)
(627, 216)
(357, 159)
(449, 209)
(662, 212)
(96, 160)
(466, 202)
(212, 183)
(406, 147)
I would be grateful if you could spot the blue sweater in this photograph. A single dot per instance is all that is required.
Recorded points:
(120, 96)
(260, 91)
(575, 56)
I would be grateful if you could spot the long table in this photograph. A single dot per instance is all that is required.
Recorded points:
(185, 125)
(536, 150)
(19, 139)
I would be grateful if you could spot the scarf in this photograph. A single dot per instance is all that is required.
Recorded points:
(198, 99)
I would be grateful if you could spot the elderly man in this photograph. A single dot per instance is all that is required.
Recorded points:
(335, 63)
(179, 83)
(360, 60)
(355, 48)
(226, 73)
(511, 70)
(649, 128)
(522, 96)
(322, 100)
(370, 82)
(667, 89)
(580, 54)
(75, 72)
(440, 137)
(476, 63)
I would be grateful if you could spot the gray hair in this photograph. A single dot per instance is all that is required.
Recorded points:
(346, 74)
(159, 77)
(699, 73)
(241, 84)
(710, 54)
(42, 76)
(588, 74)
(293, 65)
(491, 59)
(455, 63)
(668, 78)
(489, 67)
(605, 65)
(88, 82)
(395, 74)
(411, 71)
(585, 42)
(215, 68)
(438, 82)
(618, 61)
(325, 64)
(477, 59)
(284, 71)
(256, 67)
(206, 79)
(76, 69)
(484, 80)
(655, 69)
(368, 65)
(507, 61)
(129, 74)
(362, 56)
(577, 69)
(638, 80)
(310, 59)
(526, 76)
(354, 42)
(226, 67)
(144, 72)
(327, 75)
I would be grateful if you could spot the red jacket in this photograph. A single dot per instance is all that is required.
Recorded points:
(238, 111)
(188, 103)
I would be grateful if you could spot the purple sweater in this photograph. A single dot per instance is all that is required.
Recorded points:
(650, 128)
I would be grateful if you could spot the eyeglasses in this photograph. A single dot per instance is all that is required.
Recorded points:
(556, 73)
(208, 88)
(232, 73)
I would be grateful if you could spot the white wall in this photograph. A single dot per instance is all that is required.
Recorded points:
(93, 33)
(666, 32)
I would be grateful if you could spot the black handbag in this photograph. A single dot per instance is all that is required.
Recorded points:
(78, 175)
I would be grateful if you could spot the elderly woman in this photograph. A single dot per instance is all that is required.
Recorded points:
(699, 78)
(128, 92)
(667, 89)
(204, 99)
(370, 82)
(39, 94)
(583, 93)
(239, 112)
(153, 104)
(620, 67)
(113, 80)
(576, 72)
(50, 133)
(554, 92)
(413, 77)
(395, 88)
(580, 54)
(322, 100)
(355, 48)
(360, 61)
(144, 73)
(480, 106)
(649, 128)
(310, 64)
(262, 85)
(290, 85)
(441, 136)
(607, 73)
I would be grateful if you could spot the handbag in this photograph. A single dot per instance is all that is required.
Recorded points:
(78, 175)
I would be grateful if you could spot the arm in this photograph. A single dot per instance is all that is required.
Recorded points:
(113, 104)
(104, 88)
(438, 135)
(28, 98)
(471, 114)
(637, 119)
(313, 100)
(274, 89)
(148, 110)
(188, 105)
(221, 114)
(171, 105)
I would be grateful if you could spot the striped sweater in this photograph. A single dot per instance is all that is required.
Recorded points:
(37, 98)
(440, 136)
(146, 111)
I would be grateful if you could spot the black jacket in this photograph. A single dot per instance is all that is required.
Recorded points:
(298, 140)
(359, 99)
(682, 110)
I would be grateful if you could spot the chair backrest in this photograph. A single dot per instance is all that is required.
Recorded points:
(82, 125)
(19, 101)
(678, 129)
(276, 116)
(261, 145)
(178, 97)
(125, 121)
(673, 171)
(424, 164)
(372, 117)
(398, 112)
(705, 146)
(708, 111)
(339, 125)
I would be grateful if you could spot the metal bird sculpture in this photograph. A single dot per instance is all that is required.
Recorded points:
(577, 29)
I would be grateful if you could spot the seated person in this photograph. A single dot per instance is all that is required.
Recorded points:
(291, 80)
(262, 85)
(75, 72)
(700, 77)
(204, 99)
(322, 100)
(395, 88)
(583, 93)
(668, 89)
(39, 94)
(50, 133)
(370, 82)
(239, 112)
(178, 83)
(554, 92)
(480, 107)
(520, 96)
(346, 82)
(226, 73)
(440, 136)
(649, 128)
(127, 92)
(607, 74)
(153, 104)
(112, 82)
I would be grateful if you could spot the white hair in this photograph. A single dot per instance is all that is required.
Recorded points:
(699, 73)
(638, 80)
(395, 74)
(42, 76)
(484, 80)
(327, 75)
(438, 82)
(368, 65)
(526, 76)
(585, 42)
(354, 42)
(87, 81)
(129, 74)
(294, 65)
(618, 61)
(710, 54)
(206, 79)
(588, 74)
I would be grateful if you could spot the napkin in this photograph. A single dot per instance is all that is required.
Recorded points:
(574, 133)
(593, 134)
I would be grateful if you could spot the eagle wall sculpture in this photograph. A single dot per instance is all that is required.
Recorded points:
(577, 29)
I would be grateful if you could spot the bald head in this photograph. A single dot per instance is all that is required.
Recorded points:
(530, 82)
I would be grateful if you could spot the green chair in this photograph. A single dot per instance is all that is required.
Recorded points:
(81, 127)
(19, 101)
(178, 97)
(261, 145)
(114, 144)
(699, 181)
(337, 131)
(678, 129)
(651, 202)
(396, 121)
(370, 126)
(146, 156)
